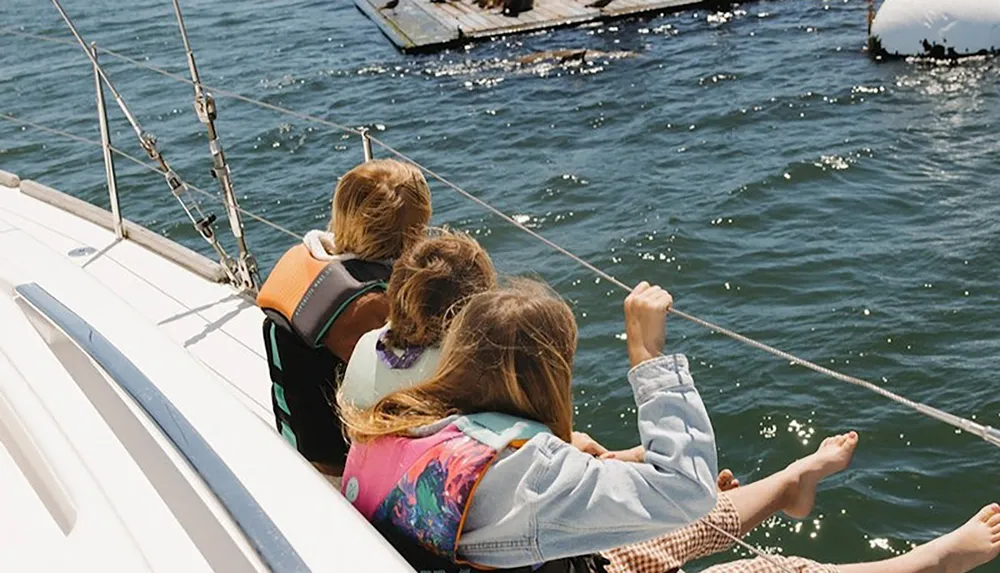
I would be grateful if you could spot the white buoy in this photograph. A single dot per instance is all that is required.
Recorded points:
(936, 28)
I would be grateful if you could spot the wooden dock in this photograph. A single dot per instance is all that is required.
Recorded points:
(421, 25)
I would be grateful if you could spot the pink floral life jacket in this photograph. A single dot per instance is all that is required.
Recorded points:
(418, 490)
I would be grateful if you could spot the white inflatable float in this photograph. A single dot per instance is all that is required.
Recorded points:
(936, 28)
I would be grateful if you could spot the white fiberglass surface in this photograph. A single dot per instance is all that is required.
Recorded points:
(73, 499)
(210, 321)
(322, 526)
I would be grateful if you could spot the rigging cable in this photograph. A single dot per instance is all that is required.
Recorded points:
(987, 433)
(179, 78)
(147, 141)
(145, 165)
(204, 106)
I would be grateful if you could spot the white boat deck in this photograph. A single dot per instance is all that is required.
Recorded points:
(92, 479)
(211, 321)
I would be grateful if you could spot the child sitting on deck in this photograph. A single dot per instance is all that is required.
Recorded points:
(475, 464)
(429, 285)
(327, 291)
(473, 467)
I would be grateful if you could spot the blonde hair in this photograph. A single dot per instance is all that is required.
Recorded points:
(509, 351)
(380, 208)
(430, 284)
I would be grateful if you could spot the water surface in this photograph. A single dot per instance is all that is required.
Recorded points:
(756, 163)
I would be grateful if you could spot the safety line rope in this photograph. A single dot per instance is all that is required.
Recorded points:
(987, 433)
(761, 553)
(182, 79)
(146, 165)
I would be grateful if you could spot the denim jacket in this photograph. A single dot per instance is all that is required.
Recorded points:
(547, 499)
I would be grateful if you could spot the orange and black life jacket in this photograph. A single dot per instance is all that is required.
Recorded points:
(302, 299)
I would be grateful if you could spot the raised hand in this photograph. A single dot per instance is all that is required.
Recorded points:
(646, 311)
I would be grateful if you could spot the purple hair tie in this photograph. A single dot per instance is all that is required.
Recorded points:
(393, 360)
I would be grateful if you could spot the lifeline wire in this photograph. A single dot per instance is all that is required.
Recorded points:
(148, 143)
(987, 433)
(182, 79)
(141, 163)
(759, 552)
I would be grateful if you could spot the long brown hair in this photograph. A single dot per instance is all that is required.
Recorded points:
(380, 208)
(509, 351)
(430, 284)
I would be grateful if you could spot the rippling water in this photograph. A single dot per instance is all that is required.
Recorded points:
(755, 162)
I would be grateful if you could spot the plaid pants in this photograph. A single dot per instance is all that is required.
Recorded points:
(670, 552)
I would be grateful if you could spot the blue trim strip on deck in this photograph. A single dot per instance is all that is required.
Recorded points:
(263, 535)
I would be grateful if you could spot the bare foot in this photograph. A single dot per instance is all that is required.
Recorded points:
(727, 481)
(975, 543)
(833, 455)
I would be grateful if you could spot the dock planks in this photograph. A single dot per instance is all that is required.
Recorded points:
(420, 25)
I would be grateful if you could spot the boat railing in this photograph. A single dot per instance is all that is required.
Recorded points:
(985, 432)
(109, 163)
(170, 250)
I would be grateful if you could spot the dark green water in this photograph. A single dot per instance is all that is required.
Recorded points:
(761, 167)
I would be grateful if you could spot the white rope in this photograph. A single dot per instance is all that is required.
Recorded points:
(185, 80)
(987, 433)
(145, 165)
(684, 513)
